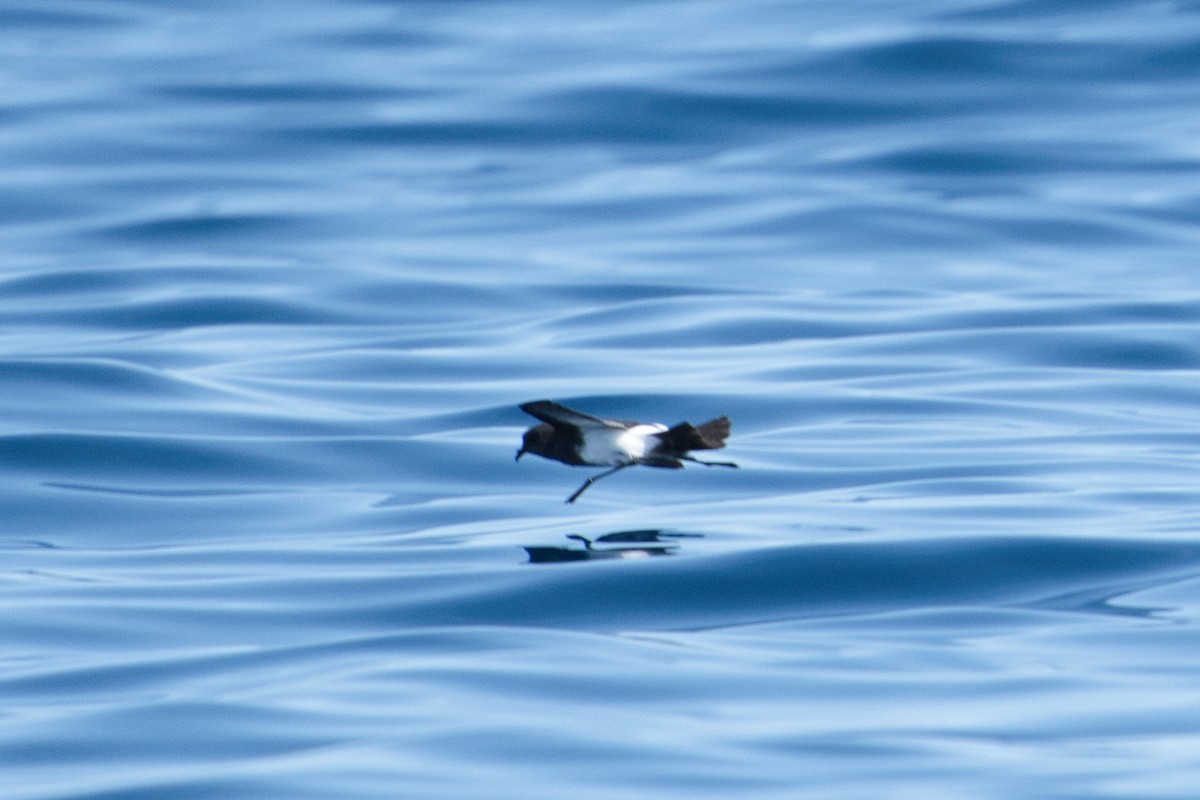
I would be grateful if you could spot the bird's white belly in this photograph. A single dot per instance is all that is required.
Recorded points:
(615, 446)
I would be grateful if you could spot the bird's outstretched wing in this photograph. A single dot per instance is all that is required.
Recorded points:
(550, 412)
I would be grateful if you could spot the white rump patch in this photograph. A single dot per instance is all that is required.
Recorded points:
(614, 446)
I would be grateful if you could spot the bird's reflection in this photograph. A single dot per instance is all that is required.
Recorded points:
(621, 544)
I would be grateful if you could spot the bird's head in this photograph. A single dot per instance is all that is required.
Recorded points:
(536, 440)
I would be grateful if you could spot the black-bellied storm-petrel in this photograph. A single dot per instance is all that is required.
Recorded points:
(582, 440)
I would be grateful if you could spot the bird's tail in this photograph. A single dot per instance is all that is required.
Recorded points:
(685, 436)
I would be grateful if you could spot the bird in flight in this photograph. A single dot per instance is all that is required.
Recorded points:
(581, 440)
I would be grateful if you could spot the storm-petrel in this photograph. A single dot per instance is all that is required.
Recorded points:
(582, 440)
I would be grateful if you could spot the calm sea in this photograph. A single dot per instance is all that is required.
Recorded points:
(276, 275)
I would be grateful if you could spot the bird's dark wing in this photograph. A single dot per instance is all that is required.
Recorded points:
(554, 414)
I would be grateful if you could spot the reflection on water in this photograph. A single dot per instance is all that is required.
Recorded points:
(621, 544)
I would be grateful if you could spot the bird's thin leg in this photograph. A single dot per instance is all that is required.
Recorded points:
(708, 463)
(595, 478)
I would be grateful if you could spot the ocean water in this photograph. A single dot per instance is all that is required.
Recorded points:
(276, 276)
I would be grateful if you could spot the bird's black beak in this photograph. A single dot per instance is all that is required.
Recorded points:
(519, 454)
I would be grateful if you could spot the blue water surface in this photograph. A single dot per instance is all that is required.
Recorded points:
(276, 276)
